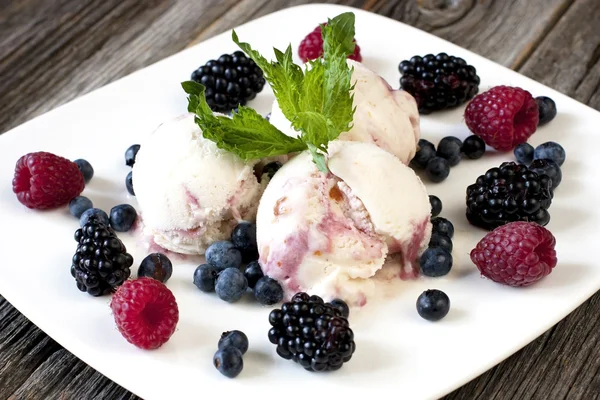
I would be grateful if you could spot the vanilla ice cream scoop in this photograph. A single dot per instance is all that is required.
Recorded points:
(384, 116)
(329, 234)
(190, 192)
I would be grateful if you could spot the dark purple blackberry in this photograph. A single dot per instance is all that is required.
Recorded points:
(312, 333)
(231, 80)
(101, 262)
(438, 82)
(509, 193)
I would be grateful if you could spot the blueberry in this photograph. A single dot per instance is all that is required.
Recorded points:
(549, 168)
(268, 116)
(205, 277)
(436, 261)
(442, 225)
(550, 151)
(436, 205)
(122, 217)
(433, 305)
(229, 362)
(129, 183)
(342, 306)
(450, 148)
(78, 205)
(473, 147)
(93, 213)
(86, 169)
(437, 169)
(271, 168)
(440, 240)
(223, 254)
(425, 152)
(524, 153)
(268, 291)
(236, 339)
(243, 238)
(231, 285)
(130, 154)
(253, 273)
(157, 266)
(547, 109)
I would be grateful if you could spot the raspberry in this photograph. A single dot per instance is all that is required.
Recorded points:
(43, 180)
(145, 312)
(503, 117)
(311, 47)
(516, 254)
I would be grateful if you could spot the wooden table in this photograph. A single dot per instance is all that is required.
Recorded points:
(52, 51)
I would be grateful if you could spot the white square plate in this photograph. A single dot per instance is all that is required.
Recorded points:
(397, 351)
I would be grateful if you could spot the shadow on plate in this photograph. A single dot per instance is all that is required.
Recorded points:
(257, 363)
(564, 219)
(370, 357)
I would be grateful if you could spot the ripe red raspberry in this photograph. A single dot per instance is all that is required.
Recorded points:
(516, 254)
(145, 311)
(44, 180)
(311, 47)
(503, 117)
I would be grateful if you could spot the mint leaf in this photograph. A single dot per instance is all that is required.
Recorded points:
(318, 158)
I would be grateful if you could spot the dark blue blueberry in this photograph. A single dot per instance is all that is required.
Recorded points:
(425, 152)
(450, 148)
(268, 291)
(548, 168)
(440, 240)
(433, 305)
(442, 225)
(524, 153)
(271, 168)
(223, 254)
(436, 205)
(436, 261)
(236, 339)
(86, 169)
(78, 205)
(547, 109)
(122, 217)
(437, 169)
(229, 362)
(157, 266)
(231, 285)
(205, 277)
(95, 213)
(342, 306)
(129, 183)
(473, 147)
(253, 273)
(550, 151)
(243, 238)
(130, 154)
(268, 116)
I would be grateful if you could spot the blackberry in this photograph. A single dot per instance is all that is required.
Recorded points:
(231, 80)
(510, 193)
(101, 262)
(438, 82)
(312, 333)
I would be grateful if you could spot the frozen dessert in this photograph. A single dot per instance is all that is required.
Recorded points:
(329, 233)
(389, 118)
(190, 192)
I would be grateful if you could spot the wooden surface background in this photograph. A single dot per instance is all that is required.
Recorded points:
(52, 51)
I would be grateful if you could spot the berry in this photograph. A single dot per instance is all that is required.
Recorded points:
(253, 273)
(516, 254)
(524, 153)
(311, 47)
(130, 154)
(450, 148)
(231, 285)
(503, 117)
(268, 291)
(433, 305)
(436, 261)
(271, 168)
(122, 217)
(341, 306)
(129, 183)
(510, 193)
(436, 205)
(438, 82)
(230, 81)
(101, 262)
(550, 151)
(312, 333)
(236, 339)
(229, 362)
(440, 240)
(156, 266)
(86, 169)
(437, 169)
(546, 108)
(268, 116)
(44, 180)
(443, 226)
(145, 312)
(425, 152)
(473, 147)
(548, 168)
(93, 214)
(243, 238)
(205, 277)
(223, 254)
(79, 205)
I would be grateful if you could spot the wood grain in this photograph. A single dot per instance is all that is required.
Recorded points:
(54, 51)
